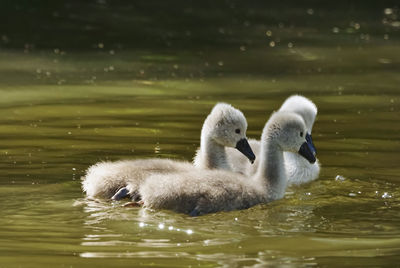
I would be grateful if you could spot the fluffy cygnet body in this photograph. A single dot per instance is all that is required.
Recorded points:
(298, 169)
(224, 126)
(206, 191)
(104, 179)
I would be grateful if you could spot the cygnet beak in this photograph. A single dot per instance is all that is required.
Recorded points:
(307, 152)
(244, 147)
(310, 142)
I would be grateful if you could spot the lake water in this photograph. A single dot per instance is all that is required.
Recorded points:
(62, 111)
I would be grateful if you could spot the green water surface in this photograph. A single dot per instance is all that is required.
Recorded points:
(63, 110)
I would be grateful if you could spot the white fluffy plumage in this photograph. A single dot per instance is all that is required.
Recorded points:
(104, 179)
(207, 191)
(298, 169)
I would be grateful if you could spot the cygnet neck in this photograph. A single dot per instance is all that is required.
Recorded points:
(212, 154)
(271, 171)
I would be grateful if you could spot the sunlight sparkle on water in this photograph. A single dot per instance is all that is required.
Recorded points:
(340, 178)
(388, 11)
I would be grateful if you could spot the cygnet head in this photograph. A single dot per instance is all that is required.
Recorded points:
(227, 126)
(306, 109)
(288, 131)
(302, 106)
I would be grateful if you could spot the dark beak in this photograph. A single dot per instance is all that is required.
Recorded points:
(310, 142)
(244, 147)
(307, 152)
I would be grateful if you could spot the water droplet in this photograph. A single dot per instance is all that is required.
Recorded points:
(100, 45)
(384, 61)
(60, 82)
(189, 232)
(335, 30)
(242, 48)
(386, 195)
(340, 178)
(310, 11)
(268, 33)
(170, 228)
(290, 45)
(141, 224)
(5, 39)
(395, 24)
(272, 44)
(161, 226)
(388, 11)
(352, 194)
(221, 63)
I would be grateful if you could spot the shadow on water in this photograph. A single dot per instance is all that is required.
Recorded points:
(188, 25)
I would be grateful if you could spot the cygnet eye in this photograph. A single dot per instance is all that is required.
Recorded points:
(237, 130)
(301, 134)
